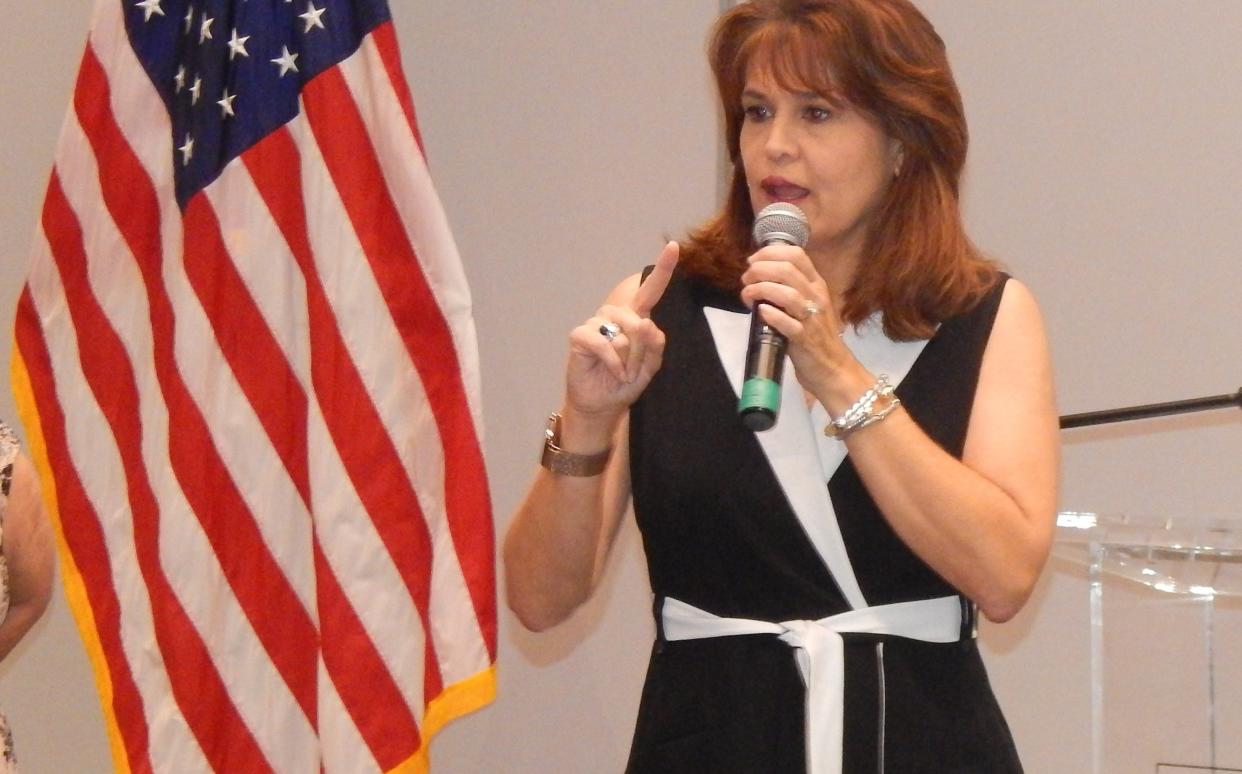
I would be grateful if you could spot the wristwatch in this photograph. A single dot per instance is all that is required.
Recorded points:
(566, 463)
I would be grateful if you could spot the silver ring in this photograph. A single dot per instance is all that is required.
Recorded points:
(610, 330)
(810, 308)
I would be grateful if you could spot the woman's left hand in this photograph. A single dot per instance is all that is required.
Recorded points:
(799, 306)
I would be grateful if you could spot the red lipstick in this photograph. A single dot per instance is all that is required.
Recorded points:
(779, 189)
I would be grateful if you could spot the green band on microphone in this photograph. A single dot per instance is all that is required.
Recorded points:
(760, 402)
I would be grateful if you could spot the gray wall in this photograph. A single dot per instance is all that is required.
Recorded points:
(567, 139)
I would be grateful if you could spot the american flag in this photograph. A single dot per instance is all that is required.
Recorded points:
(246, 364)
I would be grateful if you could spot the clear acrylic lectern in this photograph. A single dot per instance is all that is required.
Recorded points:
(1164, 659)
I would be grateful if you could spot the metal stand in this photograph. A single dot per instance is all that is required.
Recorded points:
(1188, 557)
(1200, 559)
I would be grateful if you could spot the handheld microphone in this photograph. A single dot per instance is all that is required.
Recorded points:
(765, 353)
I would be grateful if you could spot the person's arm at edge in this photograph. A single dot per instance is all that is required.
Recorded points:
(28, 550)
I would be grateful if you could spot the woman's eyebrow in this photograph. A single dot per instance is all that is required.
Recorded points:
(805, 94)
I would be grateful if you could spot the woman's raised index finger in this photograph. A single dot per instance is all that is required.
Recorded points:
(650, 291)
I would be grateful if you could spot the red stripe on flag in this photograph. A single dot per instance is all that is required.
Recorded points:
(361, 678)
(385, 38)
(386, 490)
(355, 169)
(468, 502)
(260, 587)
(291, 638)
(196, 685)
(246, 342)
(82, 533)
(150, 410)
(366, 452)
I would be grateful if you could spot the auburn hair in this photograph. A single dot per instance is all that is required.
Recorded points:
(883, 57)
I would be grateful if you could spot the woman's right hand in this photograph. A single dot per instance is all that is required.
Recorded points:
(561, 534)
(605, 377)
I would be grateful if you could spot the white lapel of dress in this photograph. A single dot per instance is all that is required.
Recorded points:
(802, 458)
(790, 448)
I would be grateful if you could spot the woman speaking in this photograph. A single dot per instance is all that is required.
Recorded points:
(815, 582)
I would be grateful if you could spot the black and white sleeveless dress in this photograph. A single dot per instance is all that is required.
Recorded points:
(776, 527)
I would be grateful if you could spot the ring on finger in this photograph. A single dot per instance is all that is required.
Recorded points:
(810, 308)
(610, 330)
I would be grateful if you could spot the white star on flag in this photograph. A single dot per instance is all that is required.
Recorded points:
(286, 60)
(150, 7)
(237, 45)
(189, 18)
(311, 17)
(204, 32)
(226, 104)
(187, 150)
(196, 89)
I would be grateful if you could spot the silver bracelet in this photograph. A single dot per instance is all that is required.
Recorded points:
(876, 417)
(861, 408)
(863, 412)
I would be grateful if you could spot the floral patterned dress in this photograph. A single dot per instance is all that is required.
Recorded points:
(8, 453)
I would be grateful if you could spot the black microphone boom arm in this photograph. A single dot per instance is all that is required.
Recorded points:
(1109, 416)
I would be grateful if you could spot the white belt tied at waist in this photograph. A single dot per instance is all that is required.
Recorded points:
(820, 652)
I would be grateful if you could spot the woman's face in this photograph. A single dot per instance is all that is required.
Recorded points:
(832, 161)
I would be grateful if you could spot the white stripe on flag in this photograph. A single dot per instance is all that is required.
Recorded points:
(343, 748)
(265, 263)
(365, 570)
(257, 690)
(426, 226)
(263, 260)
(160, 560)
(358, 556)
(137, 107)
(393, 385)
(89, 437)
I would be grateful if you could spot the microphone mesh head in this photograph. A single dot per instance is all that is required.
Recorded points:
(783, 222)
